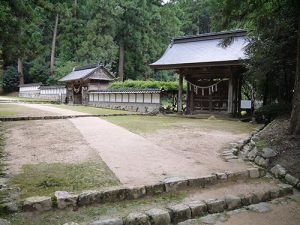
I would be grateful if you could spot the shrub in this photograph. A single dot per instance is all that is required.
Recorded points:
(267, 113)
(140, 84)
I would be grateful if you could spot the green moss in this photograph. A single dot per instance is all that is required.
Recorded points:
(92, 110)
(44, 179)
(262, 143)
(91, 213)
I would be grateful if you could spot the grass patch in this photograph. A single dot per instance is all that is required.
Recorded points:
(24, 99)
(149, 124)
(8, 110)
(92, 110)
(44, 179)
(91, 213)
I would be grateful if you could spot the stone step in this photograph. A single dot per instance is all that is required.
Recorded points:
(194, 207)
(174, 184)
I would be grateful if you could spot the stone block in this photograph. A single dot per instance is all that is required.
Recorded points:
(252, 154)
(262, 196)
(89, 197)
(65, 199)
(113, 221)
(136, 192)
(246, 199)
(278, 171)
(113, 195)
(221, 177)
(274, 193)
(155, 189)
(262, 172)
(239, 175)
(38, 203)
(179, 213)
(159, 217)
(198, 208)
(261, 161)
(209, 180)
(291, 179)
(175, 184)
(253, 172)
(215, 205)
(137, 219)
(285, 189)
(233, 202)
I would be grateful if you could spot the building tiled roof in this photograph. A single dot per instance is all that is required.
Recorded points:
(52, 87)
(133, 91)
(30, 85)
(89, 72)
(203, 49)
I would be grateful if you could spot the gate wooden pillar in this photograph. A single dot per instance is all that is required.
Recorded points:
(179, 99)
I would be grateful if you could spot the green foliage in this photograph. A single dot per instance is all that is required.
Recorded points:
(267, 113)
(10, 79)
(138, 84)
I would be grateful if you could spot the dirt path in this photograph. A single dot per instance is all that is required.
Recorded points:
(136, 160)
(49, 141)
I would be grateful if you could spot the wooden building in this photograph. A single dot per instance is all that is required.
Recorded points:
(84, 79)
(212, 71)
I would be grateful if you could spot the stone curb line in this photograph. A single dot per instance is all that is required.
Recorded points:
(21, 118)
(177, 213)
(63, 199)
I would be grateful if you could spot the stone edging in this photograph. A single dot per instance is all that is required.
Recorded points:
(262, 158)
(177, 213)
(62, 199)
(21, 118)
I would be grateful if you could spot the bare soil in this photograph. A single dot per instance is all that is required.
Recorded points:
(33, 142)
(276, 136)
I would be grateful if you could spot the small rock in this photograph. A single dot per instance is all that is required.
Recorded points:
(246, 199)
(261, 207)
(267, 153)
(291, 179)
(65, 199)
(71, 223)
(11, 207)
(175, 184)
(159, 217)
(215, 205)
(39, 203)
(179, 213)
(233, 202)
(189, 222)
(274, 193)
(137, 219)
(198, 208)
(213, 219)
(114, 195)
(115, 221)
(4, 222)
(230, 157)
(278, 171)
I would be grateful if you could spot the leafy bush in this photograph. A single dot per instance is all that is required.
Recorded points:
(10, 79)
(140, 84)
(267, 113)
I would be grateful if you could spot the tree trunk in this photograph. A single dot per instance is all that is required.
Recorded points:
(20, 71)
(121, 61)
(295, 116)
(52, 61)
